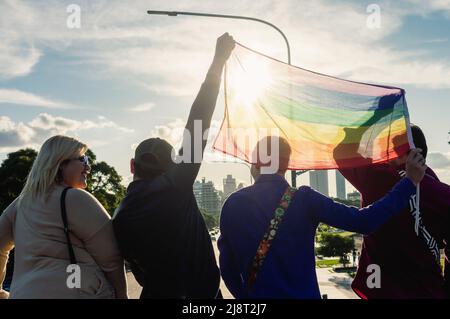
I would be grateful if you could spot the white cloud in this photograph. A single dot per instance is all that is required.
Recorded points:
(16, 135)
(13, 134)
(143, 107)
(435, 40)
(171, 54)
(173, 133)
(440, 163)
(61, 125)
(103, 122)
(325, 36)
(439, 160)
(12, 96)
(18, 54)
(429, 6)
(17, 61)
(58, 125)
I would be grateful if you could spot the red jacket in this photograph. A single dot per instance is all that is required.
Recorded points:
(408, 267)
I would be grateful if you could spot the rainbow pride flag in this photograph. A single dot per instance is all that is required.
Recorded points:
(328, 122)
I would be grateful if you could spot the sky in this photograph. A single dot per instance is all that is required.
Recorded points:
(124, 75)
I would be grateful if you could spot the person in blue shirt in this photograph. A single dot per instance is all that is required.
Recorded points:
(288, 269)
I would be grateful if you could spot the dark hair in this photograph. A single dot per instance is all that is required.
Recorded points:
(284, 152)
(419, 139)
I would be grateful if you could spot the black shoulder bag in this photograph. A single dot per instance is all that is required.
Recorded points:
(73, 260)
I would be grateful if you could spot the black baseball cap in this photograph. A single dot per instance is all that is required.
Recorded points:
(153, 154)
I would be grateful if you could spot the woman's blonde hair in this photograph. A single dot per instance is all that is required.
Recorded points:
(45, 169)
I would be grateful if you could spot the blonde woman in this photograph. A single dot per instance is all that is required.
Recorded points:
(33, 224)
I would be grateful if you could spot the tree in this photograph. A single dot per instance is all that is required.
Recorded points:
(13, 174)
(336, 245)
(211, 220)
(324, 228)
(105, 183)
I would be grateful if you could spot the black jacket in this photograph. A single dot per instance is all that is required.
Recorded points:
(163, 236)
(159, 228)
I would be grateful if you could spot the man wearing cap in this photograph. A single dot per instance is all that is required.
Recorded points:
(158, 225)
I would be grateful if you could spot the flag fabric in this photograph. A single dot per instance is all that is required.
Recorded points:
(328, 122)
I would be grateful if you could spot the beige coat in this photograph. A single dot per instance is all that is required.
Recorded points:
(41, 253)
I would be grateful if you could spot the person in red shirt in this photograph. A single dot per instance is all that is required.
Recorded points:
(407, 247)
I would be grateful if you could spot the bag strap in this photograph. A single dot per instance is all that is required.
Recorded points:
(73, 260)
(270, 234)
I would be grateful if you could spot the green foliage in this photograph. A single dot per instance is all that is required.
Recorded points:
(211, 220)
(13, 175)
(332, 245)
(105, 183)
(327, 263)
(324, 228)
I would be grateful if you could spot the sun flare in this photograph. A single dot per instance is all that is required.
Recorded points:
(248, 81)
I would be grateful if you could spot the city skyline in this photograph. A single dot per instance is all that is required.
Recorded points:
(318, 180)
(321, 180)
(340, 186)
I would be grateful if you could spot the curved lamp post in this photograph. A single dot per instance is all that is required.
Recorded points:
(294, 174)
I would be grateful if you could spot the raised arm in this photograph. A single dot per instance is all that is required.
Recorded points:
(199, 120)
(368, 219)
(203, 107)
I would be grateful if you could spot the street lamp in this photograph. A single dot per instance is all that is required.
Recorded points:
(294, 174)
(226, 16)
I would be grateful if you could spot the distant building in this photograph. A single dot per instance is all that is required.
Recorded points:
(240, 186)
(318, 180)
(340, 185)
(229, 185)
(222, 198)
(356, 196)
(207, 196)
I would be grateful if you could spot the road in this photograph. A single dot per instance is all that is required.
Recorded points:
(335, 285)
